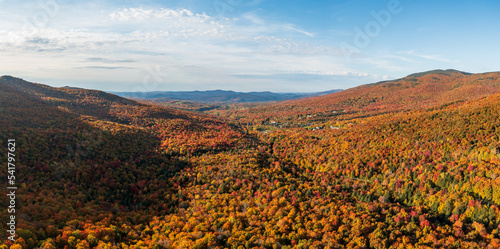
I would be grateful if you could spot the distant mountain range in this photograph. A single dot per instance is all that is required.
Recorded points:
(419, 154)
(219, 96)
(416, 91)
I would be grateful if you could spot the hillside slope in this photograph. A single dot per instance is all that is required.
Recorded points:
(425, 179)
(219, 96)
(416, 91)
(98, 171)
(85, 155)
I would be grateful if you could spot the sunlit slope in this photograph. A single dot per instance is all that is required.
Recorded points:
(413, 92)
(87, 155)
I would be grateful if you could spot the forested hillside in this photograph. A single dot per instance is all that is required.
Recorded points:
(418, 167)
(219, 96)
(416, 91)
(85, 156)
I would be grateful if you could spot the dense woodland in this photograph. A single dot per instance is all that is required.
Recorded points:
(412, 163)
(414, 92)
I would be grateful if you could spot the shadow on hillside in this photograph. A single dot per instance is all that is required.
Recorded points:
(70, 166)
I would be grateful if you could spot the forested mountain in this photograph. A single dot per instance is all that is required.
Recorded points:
(417, 167)
(219, 96)
(416, 91)
(86, 155)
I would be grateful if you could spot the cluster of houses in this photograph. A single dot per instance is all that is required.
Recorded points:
(308, 116)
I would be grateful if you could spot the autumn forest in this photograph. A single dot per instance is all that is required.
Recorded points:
(407, 163)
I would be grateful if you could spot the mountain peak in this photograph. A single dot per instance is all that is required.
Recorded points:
(438, 71)
(9, 77)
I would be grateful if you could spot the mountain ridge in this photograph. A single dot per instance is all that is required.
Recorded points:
(422, 90)
(98, 171)
(439, 71)
(227, 96)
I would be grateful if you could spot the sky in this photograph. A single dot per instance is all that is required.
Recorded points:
(243, 45)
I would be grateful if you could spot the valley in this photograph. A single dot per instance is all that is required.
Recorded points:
(407, 163)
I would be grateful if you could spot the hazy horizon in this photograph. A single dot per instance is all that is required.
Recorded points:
(238, 91)
(243, 46)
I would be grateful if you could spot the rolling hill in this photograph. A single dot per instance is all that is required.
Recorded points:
(416, 91)
(219, 96)
(88, 154)
(95, 170)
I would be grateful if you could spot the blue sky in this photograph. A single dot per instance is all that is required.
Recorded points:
(243, 45)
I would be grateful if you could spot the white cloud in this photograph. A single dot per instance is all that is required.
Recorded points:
(260, 25)
(139, 14)
(279, 46)
(438, 58)
(292, 27)
(194, 50)
(253, 18)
